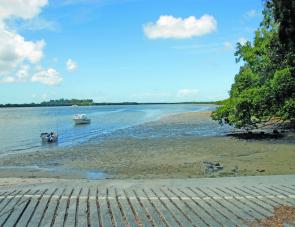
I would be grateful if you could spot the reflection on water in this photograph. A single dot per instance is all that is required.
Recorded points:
(94, 175)
(20, 128)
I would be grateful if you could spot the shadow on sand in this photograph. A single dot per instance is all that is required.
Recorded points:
(256, 135)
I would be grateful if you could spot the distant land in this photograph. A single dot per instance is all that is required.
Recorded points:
(90, 102)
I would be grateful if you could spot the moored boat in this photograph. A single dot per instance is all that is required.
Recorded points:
(81, 119)
(51, 137)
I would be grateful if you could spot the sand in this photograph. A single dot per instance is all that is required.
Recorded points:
(143, 158)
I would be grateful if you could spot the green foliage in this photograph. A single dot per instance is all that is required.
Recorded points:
(284, 11)
(68, 102)
(264, 88)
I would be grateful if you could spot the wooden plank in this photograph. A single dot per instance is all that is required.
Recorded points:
(141, 219)
(261, 202)
(94, 209)
(125, 210)
(81, 215)
(189, 208)
(7, 199)
(113, 207)
(240, 206)
(70, 214)
(263, 199)
(29, 212)
(200, 206)
(62, 207)
(51, 208)
(106, 217)
(174, 209)
(165, 214)
(10, 206)
(38, 214)
(270, 195)
(20, 208)
(229, 217)
(151, 213)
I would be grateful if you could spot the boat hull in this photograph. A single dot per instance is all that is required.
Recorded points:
(82, 121)
(49, 138)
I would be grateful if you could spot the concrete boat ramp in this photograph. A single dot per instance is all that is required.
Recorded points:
(235, 201)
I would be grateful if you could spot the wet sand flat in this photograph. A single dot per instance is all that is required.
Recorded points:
(160, 157)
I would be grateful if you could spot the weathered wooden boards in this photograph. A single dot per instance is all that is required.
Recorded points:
(89, 205)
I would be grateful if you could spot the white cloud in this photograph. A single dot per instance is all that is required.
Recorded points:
(17, 54)
(14, 50)
(71, 65)
(7, 79)
(227, 45)
(47, 76)
(242, 41)
(25, 9)
(23, 73)
(251, 13)
(187, 93)
(180, 28)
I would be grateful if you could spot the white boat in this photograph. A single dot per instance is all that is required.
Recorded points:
(81, 119)
(51, 137)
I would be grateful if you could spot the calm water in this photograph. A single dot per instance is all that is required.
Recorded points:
(20, 127)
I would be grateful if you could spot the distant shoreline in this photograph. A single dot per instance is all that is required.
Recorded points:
(104, 104)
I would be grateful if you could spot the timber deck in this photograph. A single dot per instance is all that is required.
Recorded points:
(192, 202)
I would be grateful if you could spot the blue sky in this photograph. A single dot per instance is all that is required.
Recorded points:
(124, 50)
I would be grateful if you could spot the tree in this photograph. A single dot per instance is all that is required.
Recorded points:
(264, 88)
(284, 14)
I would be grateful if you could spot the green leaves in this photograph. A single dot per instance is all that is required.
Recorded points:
(264, 88)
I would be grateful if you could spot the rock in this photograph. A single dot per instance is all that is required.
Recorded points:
(236, 169)
(260, 170)
(209, 166)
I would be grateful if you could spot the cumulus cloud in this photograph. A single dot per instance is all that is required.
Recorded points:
(14, 50)
(17, 54)
(47, 76)
(23, 73)
(71, 65)
(187, 93)
(8, 79)
(25, 9)
(180, 28)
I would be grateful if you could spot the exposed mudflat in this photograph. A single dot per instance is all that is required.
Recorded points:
(159, 157)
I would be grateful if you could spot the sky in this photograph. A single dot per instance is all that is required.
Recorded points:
(122, 50)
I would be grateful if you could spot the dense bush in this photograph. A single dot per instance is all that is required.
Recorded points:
(264, 88)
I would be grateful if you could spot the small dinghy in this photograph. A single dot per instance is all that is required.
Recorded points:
(51, 137)
(81, 119)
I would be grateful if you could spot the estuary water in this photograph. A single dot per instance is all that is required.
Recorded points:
(20, 128)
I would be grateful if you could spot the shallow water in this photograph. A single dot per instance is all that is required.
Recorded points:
(20, 127)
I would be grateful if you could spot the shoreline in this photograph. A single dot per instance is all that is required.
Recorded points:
(160, 157)
(106, 104)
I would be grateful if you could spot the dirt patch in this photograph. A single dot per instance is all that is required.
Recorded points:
(282, 215)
